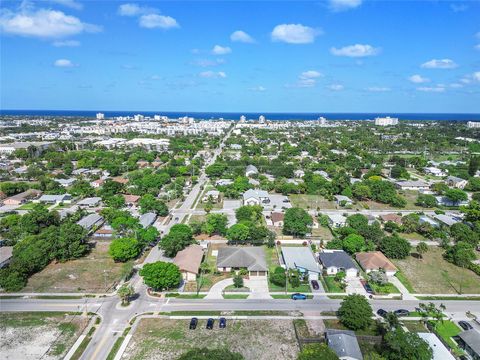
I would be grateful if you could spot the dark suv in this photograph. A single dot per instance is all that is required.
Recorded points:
(210, 323)
(193, 323)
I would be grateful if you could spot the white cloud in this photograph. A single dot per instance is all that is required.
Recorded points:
(69, 3)
(436, 89)
(212, 74)
(66, 43)
(221, 50)
(64, 63)
(42, 23)
(294, 33)
(259, 88)
(207, 62)
(357, 50)
(241, 36)
(308, 78)
(418, 79)
(133, 10)
(341, 5)
(336, 87)
(310, 74)
(439, 64)
(458, 7)
(456, 85)
(378, 89)
(152, 21)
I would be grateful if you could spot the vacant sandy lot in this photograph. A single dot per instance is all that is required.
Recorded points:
(38, 335)
(163, 339)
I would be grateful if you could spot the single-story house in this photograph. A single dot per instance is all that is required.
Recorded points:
(22, 197)
(256, 197)
(254, 182)
(456, 182)
(336, 220)
(97, 183)
(277, 218)
(120, 180)
(235, 258)
(299, 173)
(67, 211)
(397, 219)
(105, 232)
(375, 261)
(323, 174)
(302, 259)
(212, 195)
(444, 201)
(55, 199)
(147, 219)
(412, 185)
(440, 352)
(89, 202)
(188, 261)
(342, 200)
(131, 200)
(335, 261)
(251, 170)
(90, 221)
(470, 342)
(224, 182)
(65, 182)
(425, 219)
(344, 343)
(447, 220)
(431, 170)
(5, 255)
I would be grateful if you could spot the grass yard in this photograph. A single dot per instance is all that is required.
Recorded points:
(415, 326)
(197, 218)
(384, 289)
(434, 275)
(311, 202)
(413, 236)
(35, 335)
(336, 324)
(88, 274)
(323, 233)
(331, 285)
(446, 330)
(168, 339)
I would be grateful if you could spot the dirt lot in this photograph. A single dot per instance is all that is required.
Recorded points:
(167, 339)
(86, 274)
(38, 335)
(434, 275)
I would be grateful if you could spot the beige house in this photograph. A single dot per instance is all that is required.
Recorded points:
(188, 260)
(376, 261)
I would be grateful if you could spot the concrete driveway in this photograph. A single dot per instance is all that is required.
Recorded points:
(216, 290)
(258, 286)
(354, 286)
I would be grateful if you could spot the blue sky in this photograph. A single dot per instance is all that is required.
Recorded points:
(327, 56)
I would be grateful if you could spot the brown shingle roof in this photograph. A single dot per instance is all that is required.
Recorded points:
(392, 217)
(374, 260)
(189, 259)
(277, 216)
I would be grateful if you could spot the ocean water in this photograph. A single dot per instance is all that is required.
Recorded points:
(236, 115)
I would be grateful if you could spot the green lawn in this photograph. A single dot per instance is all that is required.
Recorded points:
(311, 201)
(336, 324)
(331, 285)
(384, 289)
(434, 275)
(446, 330)
(235, 296)
(415, 326)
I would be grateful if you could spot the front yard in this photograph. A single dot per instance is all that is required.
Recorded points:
(434, 275)
(167, 339)
(311, 202)
(95, 272)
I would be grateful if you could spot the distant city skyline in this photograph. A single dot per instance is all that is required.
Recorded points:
(333, 56)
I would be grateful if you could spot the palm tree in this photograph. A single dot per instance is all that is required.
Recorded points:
(125, 292)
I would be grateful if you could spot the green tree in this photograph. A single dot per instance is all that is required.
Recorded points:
(317, 352)
(125, 292)
(237, 281)
(278, 276)
(161, 275)
(395, 247)
(251, 213)
(124, 249)
(215, 224)
(82, 188)
(422, 248)
(238, 233)
(210, 354)
(461, 254)
(463, 232)
(401, 345)
(179, 237)
(297, 222)
(116, 201)
(69, 242)
(456, 195)
(148, 203)
(355, 312)
(353, 243)
(426, 201)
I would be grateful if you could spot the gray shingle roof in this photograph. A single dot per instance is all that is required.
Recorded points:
(300, 257)
(339, 259)
(472, 339)
(252, 258)
(89, 221)
(147, 219)
(344, 343)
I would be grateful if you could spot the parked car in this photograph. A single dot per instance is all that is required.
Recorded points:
(193, 323)
(381, 312)
(298, 296)
(222, 323)
(315, 285)
(368, 288)
(401, 312)
(465, 325)
(210, 323)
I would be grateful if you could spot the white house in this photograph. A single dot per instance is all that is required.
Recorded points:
(342, 200)
(212, 195)
(335, 261)
(431, 170)
(456, 182)
(256, 197)
(299, 173)
(251, 170)
(336, 220)
(412, 185)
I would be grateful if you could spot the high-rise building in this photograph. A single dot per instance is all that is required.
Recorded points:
(322, 121)
(138, 117)
(386, 121)
(473, 124)
(100, 116)
(243, 118)
(261, 119)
